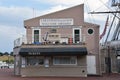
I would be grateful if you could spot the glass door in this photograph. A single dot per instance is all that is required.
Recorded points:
(36, 35)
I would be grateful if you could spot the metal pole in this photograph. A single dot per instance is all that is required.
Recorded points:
(109, 61)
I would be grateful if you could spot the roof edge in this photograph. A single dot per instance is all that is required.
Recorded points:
(93, 24)
(54, 12)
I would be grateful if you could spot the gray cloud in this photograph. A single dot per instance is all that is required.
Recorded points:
(14, 15)
(7, 36)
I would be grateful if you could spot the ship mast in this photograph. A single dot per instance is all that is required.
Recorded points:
(117, 30)
(116, 33)
(116, 14)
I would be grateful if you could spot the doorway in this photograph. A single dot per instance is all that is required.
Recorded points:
(76, 35)
(91, 65)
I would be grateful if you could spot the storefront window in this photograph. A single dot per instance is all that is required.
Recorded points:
(35, 61)
(65, 60)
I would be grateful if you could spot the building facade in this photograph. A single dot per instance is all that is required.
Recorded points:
(58, 44)
(110, 57)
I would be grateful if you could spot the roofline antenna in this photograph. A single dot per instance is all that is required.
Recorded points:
(34, 13)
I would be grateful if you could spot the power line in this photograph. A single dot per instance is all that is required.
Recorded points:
(88, 10)
(105, 5)
(110, 29)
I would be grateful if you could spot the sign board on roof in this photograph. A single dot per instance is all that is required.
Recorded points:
(56, 22)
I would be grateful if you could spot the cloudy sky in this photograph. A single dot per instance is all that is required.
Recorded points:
(14, 12)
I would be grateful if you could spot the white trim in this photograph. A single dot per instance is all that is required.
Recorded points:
(36, 27)
(33, 34)
(65, 56)
(79, 33)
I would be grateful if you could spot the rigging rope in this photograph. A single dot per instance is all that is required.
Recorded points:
(91, 18)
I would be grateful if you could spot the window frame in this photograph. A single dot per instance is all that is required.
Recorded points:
(80, 34)
(89, 29)
(33, 34)
(34, 57)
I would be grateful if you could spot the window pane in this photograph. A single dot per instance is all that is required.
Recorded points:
(76, 31)
(36, 38)
(73, 60)
(35, 61)
(77, 35)
(64, 60)
(36, 31)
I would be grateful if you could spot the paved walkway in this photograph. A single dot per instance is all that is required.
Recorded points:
(7, 74)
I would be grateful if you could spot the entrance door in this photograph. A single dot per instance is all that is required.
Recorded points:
(36, 33)
(91, 65)
(76, 35)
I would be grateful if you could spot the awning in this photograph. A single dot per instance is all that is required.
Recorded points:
(53, 51)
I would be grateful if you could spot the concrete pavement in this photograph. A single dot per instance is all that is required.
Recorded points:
(7, 74)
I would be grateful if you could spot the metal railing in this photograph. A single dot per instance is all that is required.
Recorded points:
(19, 41)
(61, 39)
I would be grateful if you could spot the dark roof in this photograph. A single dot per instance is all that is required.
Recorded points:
(53, 51)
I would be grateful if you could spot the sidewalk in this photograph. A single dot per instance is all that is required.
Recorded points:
(7, 74)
